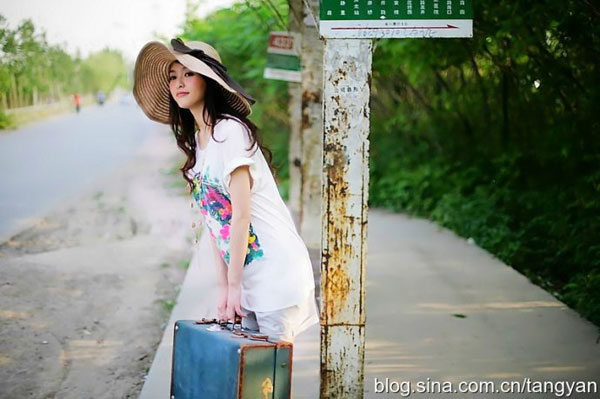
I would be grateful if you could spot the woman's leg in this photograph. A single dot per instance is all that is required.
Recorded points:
(308, 315)
(249, 322)
(285, 324)
(279, 324)
(270, 323)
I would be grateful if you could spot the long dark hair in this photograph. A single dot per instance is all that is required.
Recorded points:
(183, 125)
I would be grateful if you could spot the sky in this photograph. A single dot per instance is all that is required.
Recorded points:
(91, 25)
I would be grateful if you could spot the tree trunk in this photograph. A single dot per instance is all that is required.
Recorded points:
(295, 111)
(312, 127)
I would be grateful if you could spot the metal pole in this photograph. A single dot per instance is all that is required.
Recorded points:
(345, 182)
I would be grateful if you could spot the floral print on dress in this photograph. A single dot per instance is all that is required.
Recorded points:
(215, 205)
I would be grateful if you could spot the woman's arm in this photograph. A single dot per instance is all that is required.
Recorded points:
(221, 269)
(239, 187)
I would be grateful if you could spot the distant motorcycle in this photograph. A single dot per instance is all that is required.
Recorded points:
(101, 97)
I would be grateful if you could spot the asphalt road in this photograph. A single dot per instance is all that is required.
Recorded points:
(85, 293)
(48, 161)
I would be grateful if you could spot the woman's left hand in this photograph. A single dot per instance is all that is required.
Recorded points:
(222, 297)
(234, 302)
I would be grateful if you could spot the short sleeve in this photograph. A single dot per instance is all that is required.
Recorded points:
(235, 153)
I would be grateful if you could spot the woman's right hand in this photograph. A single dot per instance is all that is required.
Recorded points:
(222, 303)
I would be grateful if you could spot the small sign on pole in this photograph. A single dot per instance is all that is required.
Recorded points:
(361, 19)
(283, 57)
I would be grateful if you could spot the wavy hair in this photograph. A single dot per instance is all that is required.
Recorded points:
(182, 124)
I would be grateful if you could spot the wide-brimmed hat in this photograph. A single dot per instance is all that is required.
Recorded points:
(151, 76)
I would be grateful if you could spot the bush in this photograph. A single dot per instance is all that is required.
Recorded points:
(6, 121)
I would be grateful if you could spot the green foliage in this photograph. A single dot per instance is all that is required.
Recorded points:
(6, 122)
(103, 71)
(496, 138)
(34, 72)
(583, 291)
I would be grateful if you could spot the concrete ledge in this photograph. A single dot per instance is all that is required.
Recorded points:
(193, 302)
(197, 299)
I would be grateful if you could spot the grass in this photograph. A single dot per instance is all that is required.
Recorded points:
(168, 304)
(173, 171)
(184, 264)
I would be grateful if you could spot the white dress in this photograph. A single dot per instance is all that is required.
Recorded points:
(277, 272)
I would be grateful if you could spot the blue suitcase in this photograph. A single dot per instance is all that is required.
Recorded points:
(212, 360)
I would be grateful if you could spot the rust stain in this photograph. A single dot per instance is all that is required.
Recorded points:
(311, 96)
(338, 289)
(305, 123)
(308, 97)
(339, 248)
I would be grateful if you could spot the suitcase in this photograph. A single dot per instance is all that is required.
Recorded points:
(213, 360)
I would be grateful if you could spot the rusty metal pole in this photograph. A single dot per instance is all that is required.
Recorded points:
(345, 183)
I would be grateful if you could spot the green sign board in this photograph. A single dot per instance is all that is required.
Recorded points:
(283, 57)
(395, 18)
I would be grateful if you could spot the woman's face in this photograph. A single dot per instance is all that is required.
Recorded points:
(187, 87)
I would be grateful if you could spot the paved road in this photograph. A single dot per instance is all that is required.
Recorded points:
(419, 276)
(49, 161)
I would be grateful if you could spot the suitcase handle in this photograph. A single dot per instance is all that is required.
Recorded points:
(224, 324)
(239, 331)
(237, 319)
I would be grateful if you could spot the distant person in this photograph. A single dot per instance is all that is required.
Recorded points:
(77, 101)
(263, 266)
(101, 97)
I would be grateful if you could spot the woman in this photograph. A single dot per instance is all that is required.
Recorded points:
(263, 267)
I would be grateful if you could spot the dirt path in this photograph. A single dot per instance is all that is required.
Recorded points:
(86, 293)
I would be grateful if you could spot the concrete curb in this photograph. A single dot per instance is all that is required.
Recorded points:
(195, 301)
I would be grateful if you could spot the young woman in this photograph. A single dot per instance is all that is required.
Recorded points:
(263, 266)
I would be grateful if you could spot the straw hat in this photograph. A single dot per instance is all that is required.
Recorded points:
(151, 76)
